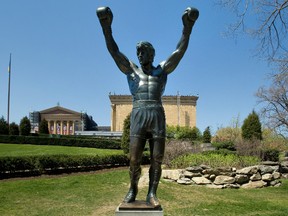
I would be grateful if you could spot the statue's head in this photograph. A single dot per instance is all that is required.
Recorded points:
(145, 47)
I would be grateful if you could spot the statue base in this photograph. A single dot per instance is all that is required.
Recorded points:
(138, 208)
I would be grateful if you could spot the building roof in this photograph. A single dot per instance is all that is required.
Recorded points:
(59, 110)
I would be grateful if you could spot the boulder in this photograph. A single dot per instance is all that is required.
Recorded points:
(211, 171)
(201, 180)
(254, 184)
(248, 170)
(195, 169)
(215, 186)
(267, 169)
(221, 179)
(241, 179)
(232, 186)
(267, 177)
(256, 177)
(276, 175)
(189, 174)
(171, 174)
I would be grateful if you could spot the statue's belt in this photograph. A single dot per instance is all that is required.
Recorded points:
(146, 104)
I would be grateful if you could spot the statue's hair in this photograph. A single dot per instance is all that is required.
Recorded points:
(148, 46)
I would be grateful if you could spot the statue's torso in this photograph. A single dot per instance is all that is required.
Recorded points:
(144, 87)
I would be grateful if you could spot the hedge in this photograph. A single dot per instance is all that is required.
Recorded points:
(63, 141)
(55, 164)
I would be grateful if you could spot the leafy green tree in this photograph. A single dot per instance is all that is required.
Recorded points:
(180, 133)
(207, 135)
(251, 128)
(14, 129)
(25, 126)
(43, 127)
(126, 135)
(4, 129)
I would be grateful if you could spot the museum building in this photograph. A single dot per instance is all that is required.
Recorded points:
(62, 121)
(179, 110)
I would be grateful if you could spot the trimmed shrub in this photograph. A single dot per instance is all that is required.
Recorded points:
(55, 164)
(62, 141)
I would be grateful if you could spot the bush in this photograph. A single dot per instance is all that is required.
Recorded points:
(182, 133)
(101, 143)
(125, 140)
(4, 129)
(55, 164)
(207, 135)
(224, 145)
(251, 128)
(25, 126)
(14, 129)
(175, 148)
(270, 155)
(213, 160)
(249, 147)
(43, 127)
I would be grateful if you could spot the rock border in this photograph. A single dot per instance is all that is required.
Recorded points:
(266, 174)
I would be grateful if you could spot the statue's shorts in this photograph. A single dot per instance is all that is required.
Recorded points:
(148, 122)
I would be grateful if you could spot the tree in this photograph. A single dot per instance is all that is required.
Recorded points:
(251, 128)
(25, 126)
(14, 129)
(207, 135)
(125, 140)
(270, 30)
(275, 100)
(43, 127)
(4, 128)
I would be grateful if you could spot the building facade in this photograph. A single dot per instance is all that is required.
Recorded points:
(179, 110)
(62, 121)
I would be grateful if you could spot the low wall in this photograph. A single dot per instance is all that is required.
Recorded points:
(263, 175)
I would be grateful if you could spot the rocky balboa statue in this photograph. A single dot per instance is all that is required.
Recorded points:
(147, 84)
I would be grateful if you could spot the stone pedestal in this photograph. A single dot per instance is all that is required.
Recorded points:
(138, 208)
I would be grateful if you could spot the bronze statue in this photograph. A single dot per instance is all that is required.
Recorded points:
(147, 84)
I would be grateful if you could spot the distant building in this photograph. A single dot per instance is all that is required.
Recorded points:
(62, 121)
(179, 110)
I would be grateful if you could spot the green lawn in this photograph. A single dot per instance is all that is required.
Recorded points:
(100, 193)
(23, 150)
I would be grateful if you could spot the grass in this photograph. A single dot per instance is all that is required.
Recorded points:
(100, 193)
(24, 150)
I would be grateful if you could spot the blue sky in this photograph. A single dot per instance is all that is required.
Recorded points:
(59, 56)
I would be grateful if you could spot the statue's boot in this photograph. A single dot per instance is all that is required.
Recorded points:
(155, 176)
(133, 190)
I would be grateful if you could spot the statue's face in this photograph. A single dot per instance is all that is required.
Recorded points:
(143, 56)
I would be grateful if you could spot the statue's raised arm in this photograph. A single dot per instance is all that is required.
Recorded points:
(189, 18)
(105, 17)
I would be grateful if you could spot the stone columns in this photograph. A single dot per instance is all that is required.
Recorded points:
(55, 128)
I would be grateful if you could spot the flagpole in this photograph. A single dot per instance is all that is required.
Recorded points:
(8, 109)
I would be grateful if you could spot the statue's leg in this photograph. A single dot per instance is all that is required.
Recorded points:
(157, 148)
(137, 145)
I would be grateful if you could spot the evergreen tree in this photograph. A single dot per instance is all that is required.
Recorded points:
(207, 135)
(25, 126)
(4, 129)
(43, 127)
(251, 128)
(14, 129)
(126, 135)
